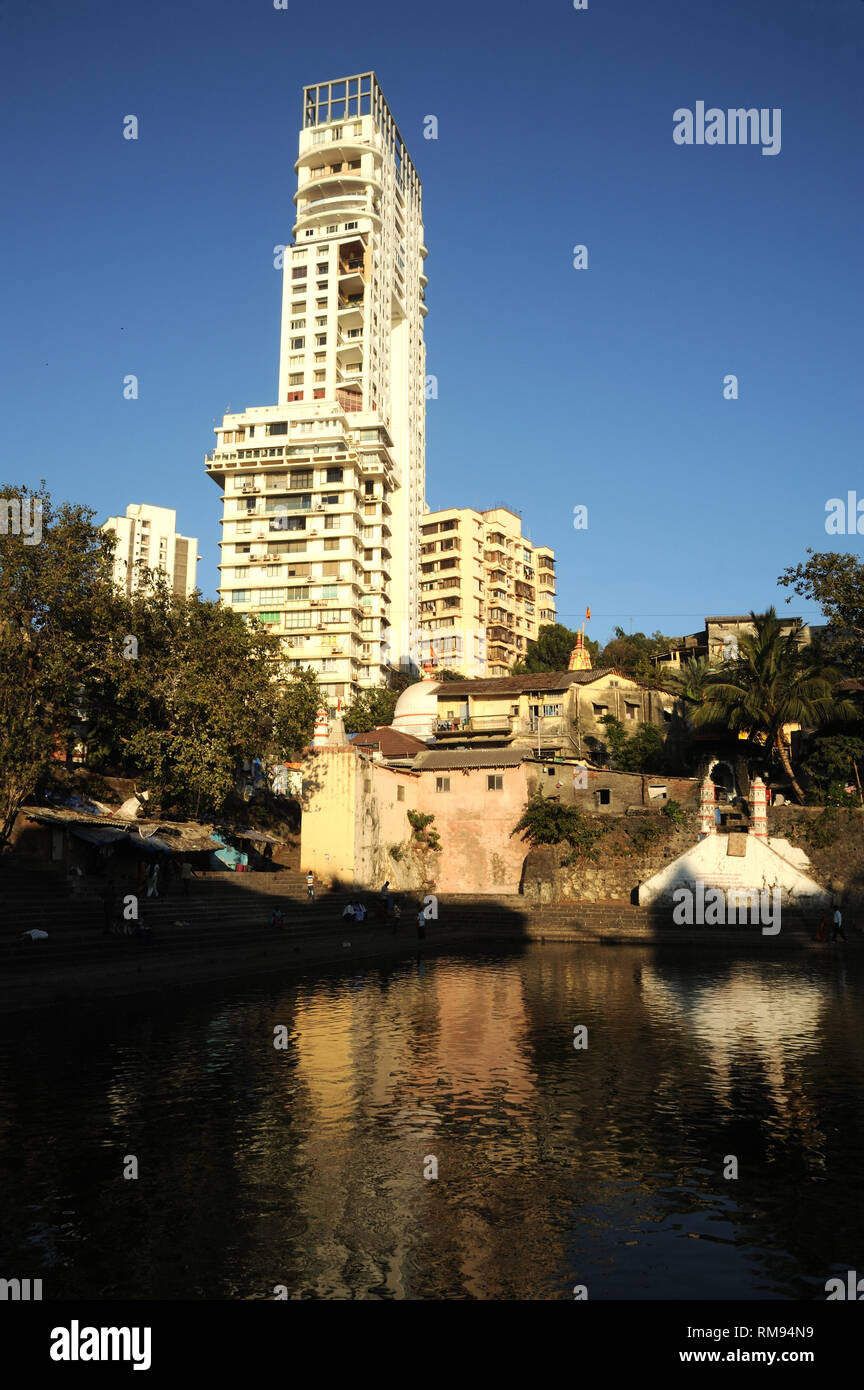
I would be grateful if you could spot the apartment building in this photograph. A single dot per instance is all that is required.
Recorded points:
(147, 538)
(485, 590)
(323, 492)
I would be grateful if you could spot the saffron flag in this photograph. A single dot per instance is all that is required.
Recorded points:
(587, 614)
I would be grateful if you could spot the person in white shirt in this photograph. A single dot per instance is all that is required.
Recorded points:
(838, 922)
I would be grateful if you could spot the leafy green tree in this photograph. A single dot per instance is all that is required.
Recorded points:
(370, 709)
(833, 762)
(57, 616)
(772, 683)
(205, 693)
(642, 751)
(834, 581)
(296, 704)
(631, 653)
(545, 822)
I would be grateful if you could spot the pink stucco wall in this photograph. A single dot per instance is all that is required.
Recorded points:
(479, 854)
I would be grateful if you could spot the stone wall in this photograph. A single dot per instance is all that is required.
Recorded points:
(621, 863)
(620, 791)
(833, 841)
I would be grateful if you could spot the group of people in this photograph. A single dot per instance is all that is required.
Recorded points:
(356, 911)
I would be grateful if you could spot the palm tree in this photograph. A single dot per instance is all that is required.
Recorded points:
(691, 680)
(770, 684)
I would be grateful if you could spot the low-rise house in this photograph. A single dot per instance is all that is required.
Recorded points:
(718, 641)
(553, 713)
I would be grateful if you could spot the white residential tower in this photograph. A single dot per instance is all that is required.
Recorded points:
(323, 492)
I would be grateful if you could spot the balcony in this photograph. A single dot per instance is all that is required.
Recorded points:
(475, 724)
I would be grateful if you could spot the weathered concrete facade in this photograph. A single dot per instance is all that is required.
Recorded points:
(551, 712)
(356, 828)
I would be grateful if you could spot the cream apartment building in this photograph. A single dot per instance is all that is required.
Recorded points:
(323, 492)
(147, 538)
(485, 591)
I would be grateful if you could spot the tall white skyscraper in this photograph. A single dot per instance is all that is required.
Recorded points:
(323, 492)
(147, 538)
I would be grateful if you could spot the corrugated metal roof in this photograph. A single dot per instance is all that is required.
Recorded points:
(471, 757)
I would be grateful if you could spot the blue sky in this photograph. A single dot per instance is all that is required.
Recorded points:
(557, 387)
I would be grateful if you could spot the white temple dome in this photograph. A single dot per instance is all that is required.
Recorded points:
(416, 710)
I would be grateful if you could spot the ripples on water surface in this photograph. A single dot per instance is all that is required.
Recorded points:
(303, 1167)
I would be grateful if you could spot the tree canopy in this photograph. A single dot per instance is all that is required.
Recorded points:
(835, 581)
(171, 691)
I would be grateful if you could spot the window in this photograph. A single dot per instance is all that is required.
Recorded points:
(330, 591)
(551, 711)
(271, 596)
(301, 480)
(631, 711)
(369, 489)
(400, 793)
(330, 499)
(278, 427)
(295, 379)
(294, 396)
(600, 710)
(320, 339)
(442, 784)
(241, 596)
(299, 272)
(297, 343)
(268, 617)
(332, 523)
(604, 796)
(334, 475)
(331, 545)
(495, 782)
(298, 323)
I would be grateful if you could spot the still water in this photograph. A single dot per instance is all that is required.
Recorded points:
(303, 1166)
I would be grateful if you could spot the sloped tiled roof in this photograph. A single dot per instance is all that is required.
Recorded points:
(392, 743)
(524, 685)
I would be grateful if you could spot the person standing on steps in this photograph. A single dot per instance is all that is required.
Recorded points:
(838, 922)
(310, 885)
